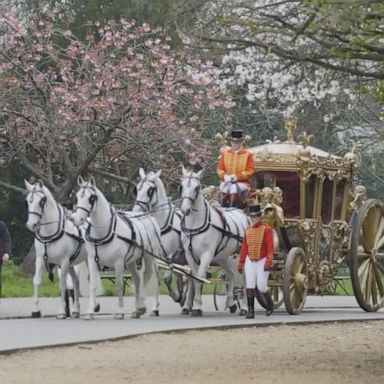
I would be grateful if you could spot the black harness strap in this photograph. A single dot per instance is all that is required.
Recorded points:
(45, 240)
(168, 227)
(128, 221)
(197, 231)
(104, 240)
(226, 234)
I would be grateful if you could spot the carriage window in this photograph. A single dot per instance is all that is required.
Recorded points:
(340, 187)
(326, 201)
(289, 182)
(310, 197)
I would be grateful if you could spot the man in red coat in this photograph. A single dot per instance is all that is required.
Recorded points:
(255, 259)
(235, 166)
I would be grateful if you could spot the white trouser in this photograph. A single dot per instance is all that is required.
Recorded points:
(255, 274)
(229, 187)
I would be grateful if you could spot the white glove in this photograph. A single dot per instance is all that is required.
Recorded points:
(5, 257)
(233, 178)
(227, 178)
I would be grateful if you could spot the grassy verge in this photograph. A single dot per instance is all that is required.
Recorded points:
(14, 284)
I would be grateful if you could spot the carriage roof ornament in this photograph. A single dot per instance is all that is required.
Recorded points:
(290, 127)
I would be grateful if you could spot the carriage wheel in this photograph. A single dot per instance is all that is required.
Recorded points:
(367, 256)
(276, 294)
(220, 296)
(295, 282)
(220, 292)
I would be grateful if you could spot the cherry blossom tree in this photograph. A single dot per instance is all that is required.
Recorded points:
(120, 99)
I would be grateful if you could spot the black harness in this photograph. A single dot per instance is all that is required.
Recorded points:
(226, 234)
(46, 240)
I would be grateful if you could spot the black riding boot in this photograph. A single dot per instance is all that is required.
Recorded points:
(269, 302)
(251, 304)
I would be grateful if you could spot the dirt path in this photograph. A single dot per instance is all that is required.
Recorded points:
(313, 354)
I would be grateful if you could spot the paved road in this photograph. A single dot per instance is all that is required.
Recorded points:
(19, 331)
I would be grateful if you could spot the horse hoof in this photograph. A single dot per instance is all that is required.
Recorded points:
(75, 315)
(67, 314)
(184, 311)
(97, 307)
(197, 312)
(154, 313)
(61, 316)
(36, 315)
(243, 312)
(119, 316)
(233, 308)
(142, 310)
(135, 315)
(89, 316)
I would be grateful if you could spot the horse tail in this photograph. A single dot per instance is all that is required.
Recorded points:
(151, 276)
(83, 274)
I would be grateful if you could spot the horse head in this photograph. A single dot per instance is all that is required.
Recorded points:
(189, 189)
(36, 201)
(86, 198)
(147, 190)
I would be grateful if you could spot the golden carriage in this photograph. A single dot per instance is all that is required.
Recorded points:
(319, 224)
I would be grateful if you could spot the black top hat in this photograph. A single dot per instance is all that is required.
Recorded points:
(237, 135)
(254, 210)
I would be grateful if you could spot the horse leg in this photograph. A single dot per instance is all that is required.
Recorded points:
(189, 293)
(76, 293)
(93, 273)
(201, 272)
(176, 291)
(39, 266)
(139, 288)
(119, 284)
(230, 300)
(151, 283)
(236, 282)
(61, 314)
(67, 304)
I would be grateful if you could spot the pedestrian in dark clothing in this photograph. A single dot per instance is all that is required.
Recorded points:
(5, 246)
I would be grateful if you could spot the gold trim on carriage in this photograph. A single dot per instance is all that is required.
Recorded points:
(319, 223)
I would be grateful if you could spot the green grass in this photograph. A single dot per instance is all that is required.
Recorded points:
(15, 284)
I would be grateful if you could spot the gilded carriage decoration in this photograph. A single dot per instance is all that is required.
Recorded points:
(318, 222)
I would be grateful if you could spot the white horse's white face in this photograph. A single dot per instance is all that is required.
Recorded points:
(36, 202)
(189, 190)
(86, 200)
(146, 191)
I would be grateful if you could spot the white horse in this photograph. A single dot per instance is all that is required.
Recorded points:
(210, 235)
(151, 197)
(119, 240)
(57, 242)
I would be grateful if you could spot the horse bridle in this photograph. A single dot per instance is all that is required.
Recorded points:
(41, 204)
(197, 189)
(150, 193)
(92, 200)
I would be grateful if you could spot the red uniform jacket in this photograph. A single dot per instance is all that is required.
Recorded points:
(257, 243)
(240, 164)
